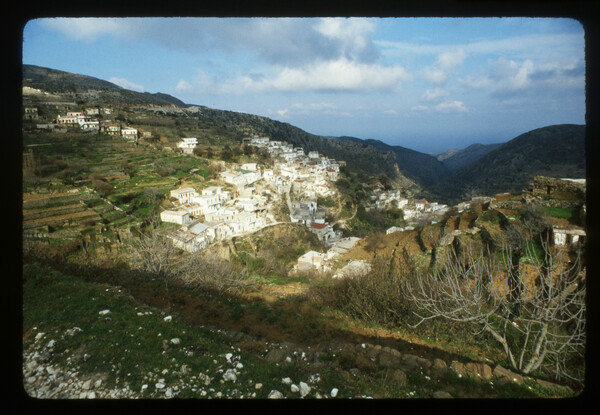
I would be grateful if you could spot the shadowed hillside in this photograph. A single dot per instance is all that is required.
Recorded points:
(554, 151)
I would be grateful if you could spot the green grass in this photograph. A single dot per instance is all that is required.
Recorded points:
(561, 213)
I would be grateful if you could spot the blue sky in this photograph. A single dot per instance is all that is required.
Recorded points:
(429, 84)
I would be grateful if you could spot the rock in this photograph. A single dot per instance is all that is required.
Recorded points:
(176, 340)
(230, 376)
(275, 394)
(294, 388)
(159, 385)
(388, 359)
(91, 395)
(441, 395)
(334, 392)
(286, 381)
(413, 363)
(98, 383)
(169, 392)
(276, 355)
(507, 375)
(458, 368)
(553, 386)
(258, 386)
(86, 385)
(73, 331)
(304, 389)
(104, 312)
(399, 378)
(39, 336)
(168, 318)
(50, 344)
(439, 365)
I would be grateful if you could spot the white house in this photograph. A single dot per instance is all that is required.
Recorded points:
(112, 129)
(184, 194)
(249, 204)
(91, 125)
(311, 261)
(219, 191)
(129, 133)
(180, 217)
(250, 166)
(188, 144)
(208, 203)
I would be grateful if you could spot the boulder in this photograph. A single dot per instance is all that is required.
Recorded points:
(398, 377)
(275, 394)
(389, 359)
(304, 389)
(441, 395)
(276, 355)
(507, 375)
(439, 365)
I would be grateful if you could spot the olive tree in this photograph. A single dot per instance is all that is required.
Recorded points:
(482, 290)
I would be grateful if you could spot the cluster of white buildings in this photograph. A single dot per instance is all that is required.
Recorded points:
(85, 121)
(306, 175)
(213, 215)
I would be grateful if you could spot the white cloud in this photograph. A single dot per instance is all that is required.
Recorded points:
(283, 113)
(435, 94)
(184, 86)
(124, 83)
(390, 112)
(445, 63)
(84, 28)
(451, 106)
(339, 75)
(420, 108)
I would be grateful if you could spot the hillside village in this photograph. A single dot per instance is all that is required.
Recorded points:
(246, 200)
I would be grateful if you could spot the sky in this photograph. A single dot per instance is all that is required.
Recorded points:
(428, 84)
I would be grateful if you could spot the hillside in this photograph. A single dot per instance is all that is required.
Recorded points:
(553, 151)
(92, 90)
(423, 168)
(455, 160)
(79, 89)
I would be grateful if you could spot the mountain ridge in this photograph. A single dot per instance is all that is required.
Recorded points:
(554, 151)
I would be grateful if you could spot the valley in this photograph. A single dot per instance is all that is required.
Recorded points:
(197, 253)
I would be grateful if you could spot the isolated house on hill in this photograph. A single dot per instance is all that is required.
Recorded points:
(188, 144)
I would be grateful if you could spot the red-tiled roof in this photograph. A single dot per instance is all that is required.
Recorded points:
(318, 225)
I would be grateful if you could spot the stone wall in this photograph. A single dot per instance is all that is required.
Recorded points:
(546, 186)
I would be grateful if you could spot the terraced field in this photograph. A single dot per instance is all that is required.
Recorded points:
(94, 184)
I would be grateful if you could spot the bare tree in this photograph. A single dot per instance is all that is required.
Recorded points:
(153, 252)
(481, 290)
(203, 271)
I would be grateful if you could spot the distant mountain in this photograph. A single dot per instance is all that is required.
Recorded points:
(423, 168)
(554, 151)
(455, 160)
(92, 90)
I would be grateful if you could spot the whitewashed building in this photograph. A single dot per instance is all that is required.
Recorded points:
(129, 133)
(188, 144)
(181, 217)
(184, 194)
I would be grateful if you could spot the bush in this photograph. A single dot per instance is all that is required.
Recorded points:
(376, 298)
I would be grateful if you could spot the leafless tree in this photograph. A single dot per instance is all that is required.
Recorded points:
(203, 271)
(483, 290)
(154, 253)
